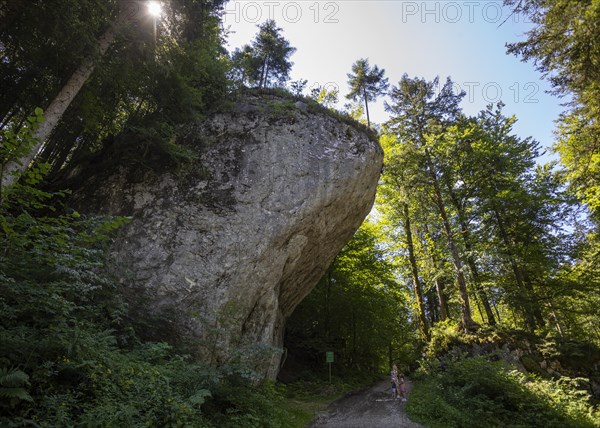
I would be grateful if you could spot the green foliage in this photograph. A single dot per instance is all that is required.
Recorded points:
(247, 406)
(563, 44)
(474, 391)
(297, 86)
(328, 97)
(140, 83)
(265, 62)
(357, 310)
(13, 383)
(444, 335)
(278, 110)
(474, 196)
(581, 158)
(16, 144)
(43, 42)
(366, 83)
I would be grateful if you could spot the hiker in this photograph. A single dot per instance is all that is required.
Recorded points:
(394, 380)
(401, 387)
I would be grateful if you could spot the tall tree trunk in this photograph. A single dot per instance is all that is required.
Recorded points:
(366, 106)
(497, 312)
(441, 294)
(478, 303)
(483, 297)
(262, 75)
(264, 72)
(439, 285)
(58, 106)
(532, 313)
(467, 321)
(266, 79)
(354, 334)
(532, 299)
(555, 318)
(423, 327)
(432, 306)
(466, 233)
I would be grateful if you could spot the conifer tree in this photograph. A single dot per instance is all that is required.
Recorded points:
(265, 61)
(366, 83)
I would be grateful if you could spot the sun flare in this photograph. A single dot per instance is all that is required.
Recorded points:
(154, 8)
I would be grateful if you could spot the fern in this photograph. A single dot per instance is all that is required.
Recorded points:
(199, 397)
(12, 387)
(13, 377)
(15, 392)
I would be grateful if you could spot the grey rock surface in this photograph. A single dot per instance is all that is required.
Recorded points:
(231, 244)
(301, 106)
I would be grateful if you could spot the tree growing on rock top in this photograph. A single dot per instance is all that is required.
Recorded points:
(297, 86)
(366, 83)
(326, 96)
(265, 62)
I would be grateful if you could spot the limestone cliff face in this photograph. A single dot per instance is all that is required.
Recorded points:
(230, 245)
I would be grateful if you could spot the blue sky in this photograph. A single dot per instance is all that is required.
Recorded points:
(461, 39)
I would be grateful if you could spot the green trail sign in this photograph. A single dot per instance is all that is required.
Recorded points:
(329, 360)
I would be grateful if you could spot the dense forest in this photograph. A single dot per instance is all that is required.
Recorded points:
(477, 272)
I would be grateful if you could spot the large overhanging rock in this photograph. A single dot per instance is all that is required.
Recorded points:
(224, 250)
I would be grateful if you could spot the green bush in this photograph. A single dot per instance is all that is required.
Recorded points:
(476, 392)
(69, 356)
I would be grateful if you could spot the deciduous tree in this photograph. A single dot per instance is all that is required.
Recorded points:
(420, 119)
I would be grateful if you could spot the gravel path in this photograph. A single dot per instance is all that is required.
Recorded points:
(370, 408)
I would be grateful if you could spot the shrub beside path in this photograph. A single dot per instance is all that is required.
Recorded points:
(373, 407)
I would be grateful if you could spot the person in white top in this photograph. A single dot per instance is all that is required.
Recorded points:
(394, 380)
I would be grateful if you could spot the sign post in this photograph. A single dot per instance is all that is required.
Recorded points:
(329, 360)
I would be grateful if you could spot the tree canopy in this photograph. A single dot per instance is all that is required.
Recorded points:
(563, 45)
(366, 83)
(467, 192)
(137, 79)
(265, 62)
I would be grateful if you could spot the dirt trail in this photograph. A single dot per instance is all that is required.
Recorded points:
(370, 408)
